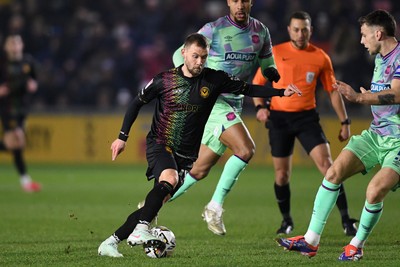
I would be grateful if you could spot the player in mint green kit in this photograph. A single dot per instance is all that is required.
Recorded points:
(380, 144)
(239, 44)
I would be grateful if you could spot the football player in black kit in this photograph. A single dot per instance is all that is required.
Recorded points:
(17, 82)
(184, 97)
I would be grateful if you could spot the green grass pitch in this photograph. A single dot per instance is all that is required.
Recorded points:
(81, 205)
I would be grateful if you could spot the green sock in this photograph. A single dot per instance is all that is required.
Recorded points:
(324, 202)
(369, 218)
(189, 181)
(233, 167)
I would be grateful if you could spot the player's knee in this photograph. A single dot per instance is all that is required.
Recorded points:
(324, 165)
(376, 194)
(282, 177)
(199, 173)
(333, 175)
(13, 141)
(245, 152)
(170, 179)
(372, 197)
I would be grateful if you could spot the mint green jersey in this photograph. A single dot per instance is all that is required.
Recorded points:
(238, 50)
(386, 120)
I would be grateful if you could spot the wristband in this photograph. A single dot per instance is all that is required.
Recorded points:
(122, 136)
(258, 107)
(346, 122)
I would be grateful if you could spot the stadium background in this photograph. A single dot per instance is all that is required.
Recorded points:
(94, 55)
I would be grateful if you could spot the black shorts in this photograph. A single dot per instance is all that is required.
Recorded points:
(11, 122)
(160, 157)
(284, 127)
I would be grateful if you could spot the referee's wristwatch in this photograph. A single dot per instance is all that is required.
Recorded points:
(346, 122)
(258, 107)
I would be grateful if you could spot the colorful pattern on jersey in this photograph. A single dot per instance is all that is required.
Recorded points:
(183, 106)
(236, 50)
(386, 120)
(172, 122)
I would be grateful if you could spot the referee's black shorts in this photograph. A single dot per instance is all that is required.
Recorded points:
(284, 127)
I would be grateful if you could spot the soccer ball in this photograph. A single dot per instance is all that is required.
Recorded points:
(155, 248)
(167, 236)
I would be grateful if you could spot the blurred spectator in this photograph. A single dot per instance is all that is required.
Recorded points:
(89, 50)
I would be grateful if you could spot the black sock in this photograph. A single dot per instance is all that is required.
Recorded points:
(153, 204)
(154, 200)
(127, 228)
(282, 194)
(19, 161)
(341, 203)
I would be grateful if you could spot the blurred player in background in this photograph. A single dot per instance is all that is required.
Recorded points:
(302, 63)
(380, 144)
(239, 44)
(184, 97)
(17, 83)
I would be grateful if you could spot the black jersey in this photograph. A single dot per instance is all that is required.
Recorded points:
(15, 75)
(183, 106)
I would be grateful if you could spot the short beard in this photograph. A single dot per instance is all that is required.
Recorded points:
(195, 73)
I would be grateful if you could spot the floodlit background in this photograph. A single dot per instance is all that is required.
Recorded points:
(93, 56)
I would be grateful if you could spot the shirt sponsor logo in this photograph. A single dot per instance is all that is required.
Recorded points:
(187, 107)
(376, 87)
(240, 56)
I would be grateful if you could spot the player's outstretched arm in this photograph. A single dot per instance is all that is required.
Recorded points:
(292, 89)
(385, 97)
(268, 91)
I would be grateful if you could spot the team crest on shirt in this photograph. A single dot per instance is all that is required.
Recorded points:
(310, 76)
(388, 70)
(204, 92)
(255, 39)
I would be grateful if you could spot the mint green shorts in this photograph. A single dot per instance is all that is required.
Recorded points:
(373, 149)
(221, 118)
